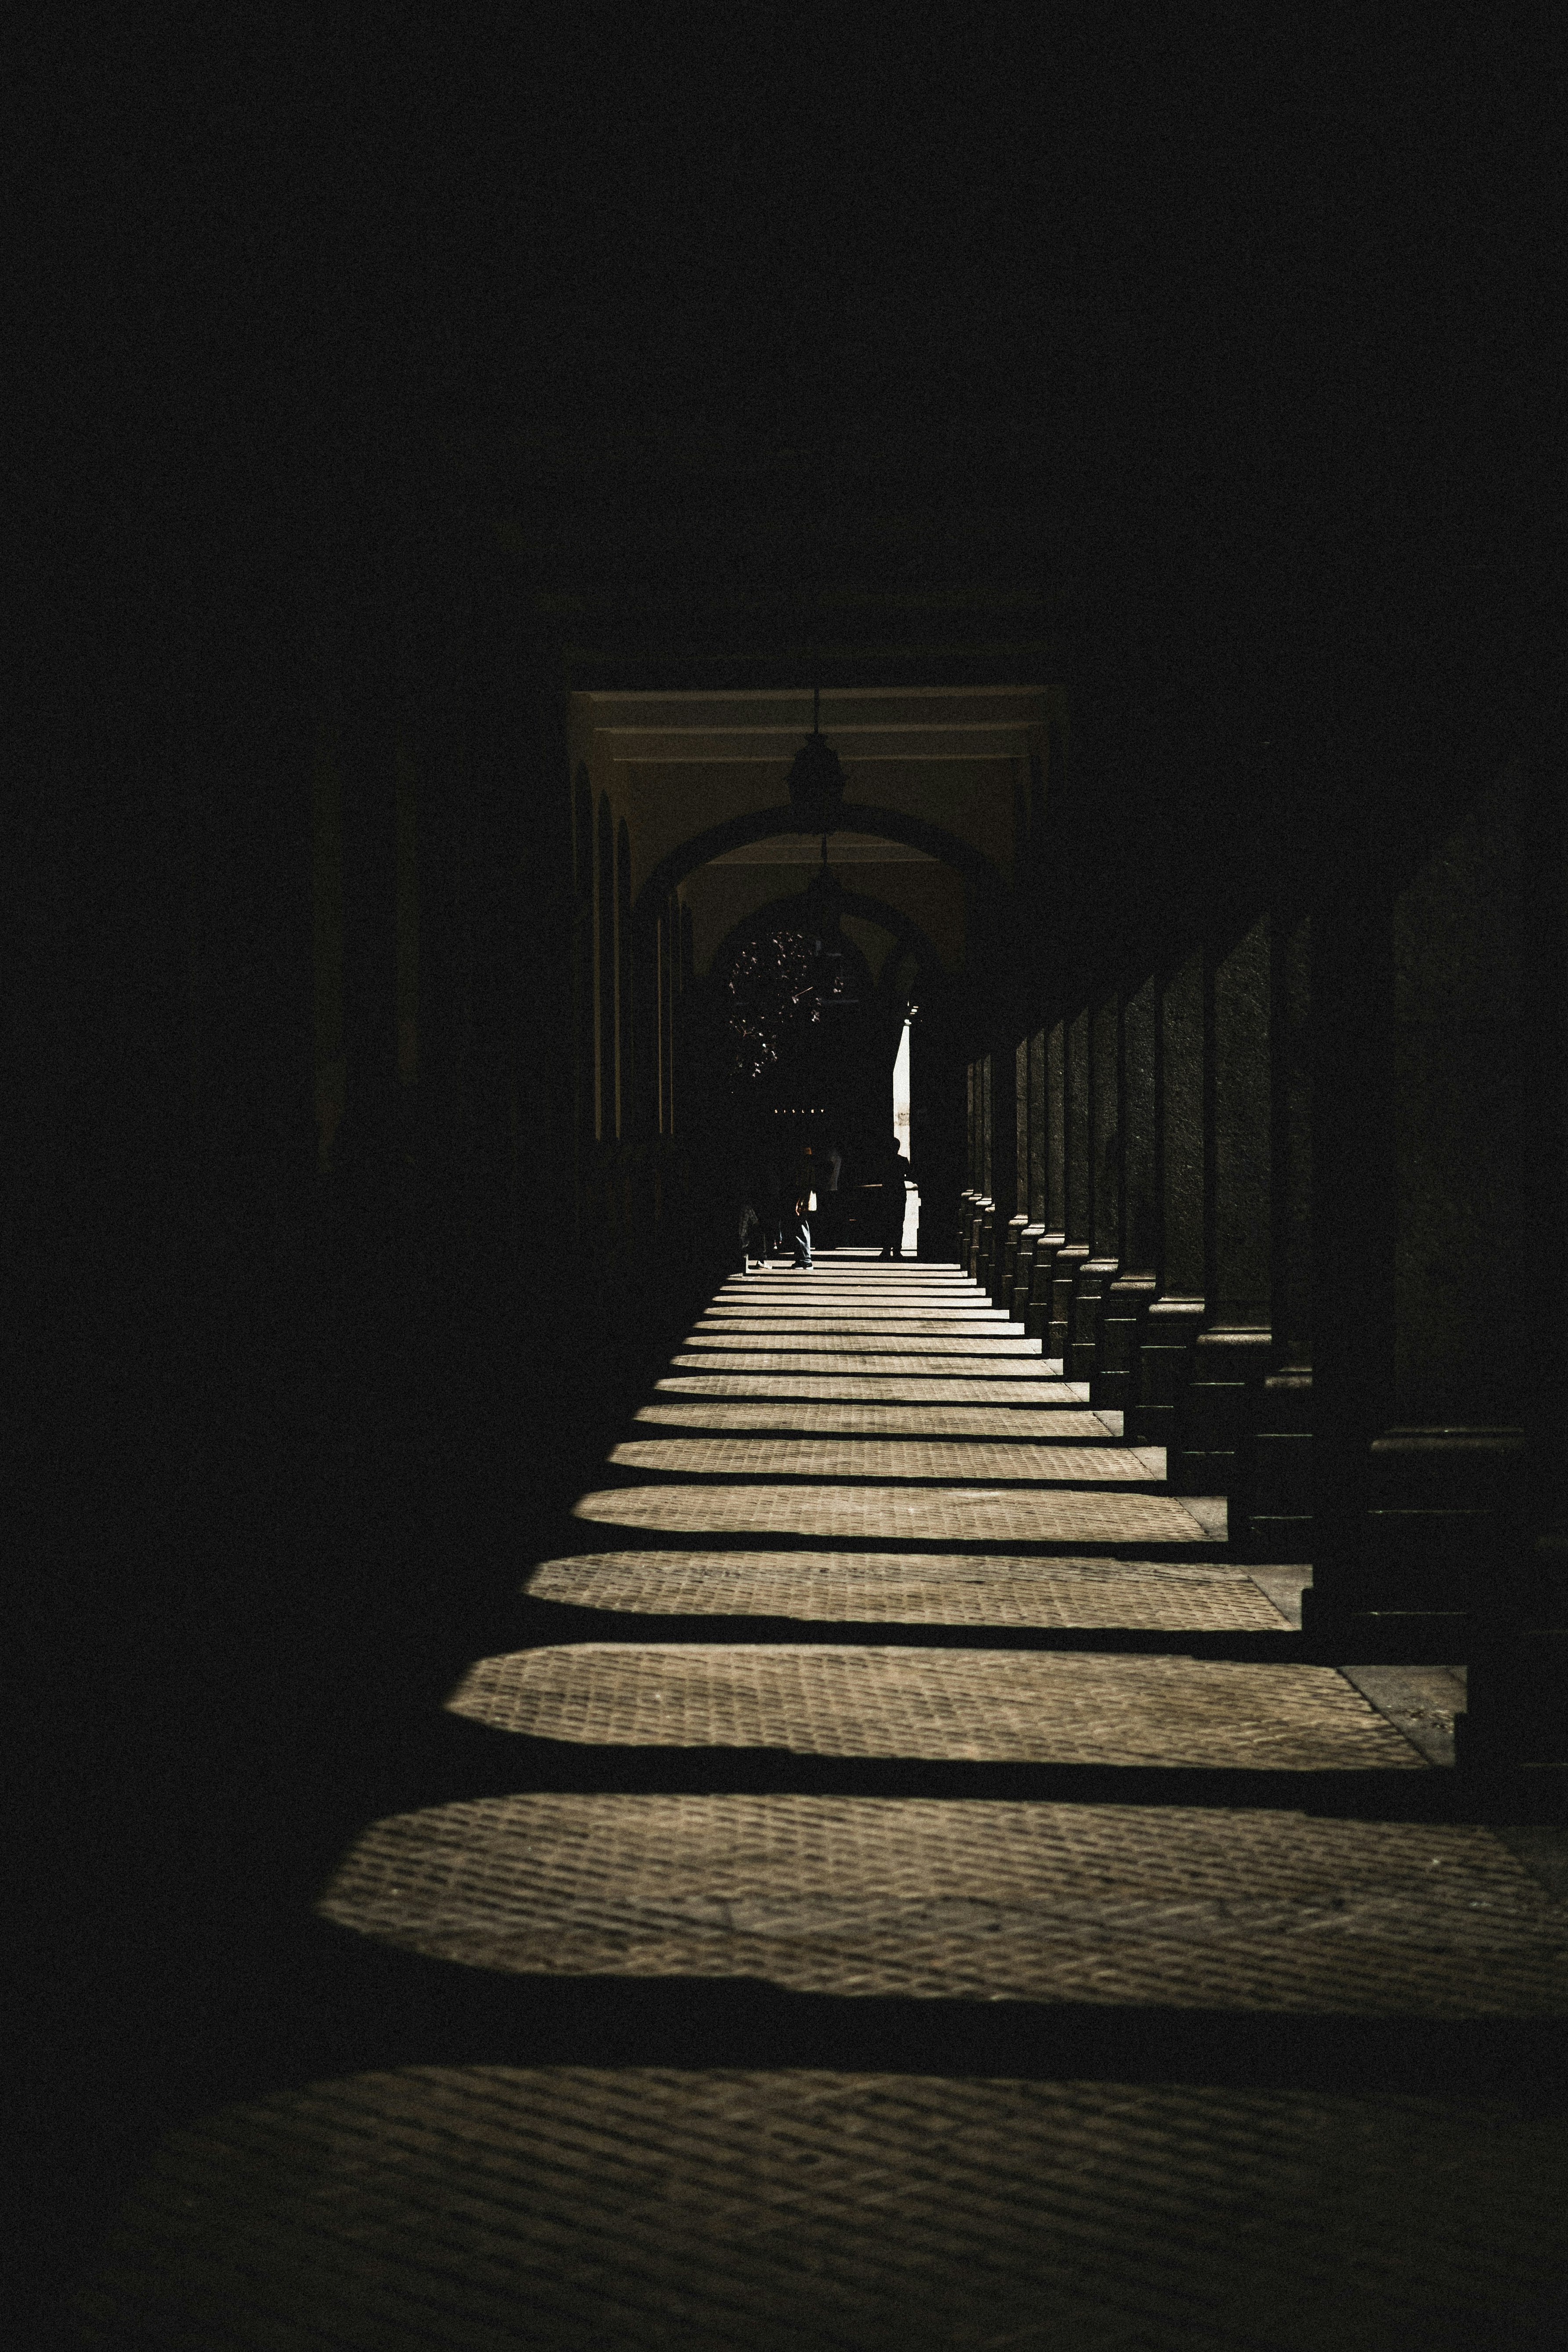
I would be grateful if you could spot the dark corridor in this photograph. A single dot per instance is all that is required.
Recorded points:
(562, 1794)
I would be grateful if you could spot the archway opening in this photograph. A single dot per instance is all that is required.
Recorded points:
(804, 1039)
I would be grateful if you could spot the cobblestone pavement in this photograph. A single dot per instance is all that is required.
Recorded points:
(1135, 2153)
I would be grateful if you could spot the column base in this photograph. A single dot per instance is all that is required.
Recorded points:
(1023, 1272)
(1164, 1360)
(1334, 1634)
(1227, 1368)
(1064, 1276)
(1262, 1536)
(1037, 1315)
(1272, 1499)
(1516, 1717)
(1122, 1320)
(1007, 1251)
(1095, 1278)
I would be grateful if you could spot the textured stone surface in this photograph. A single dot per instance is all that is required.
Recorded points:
(789, 1464)
(954, 1589)
(1049, 1424)
(832, 1339)
(1015, 1382)
(989, 1705)
(973, 1901)
(895, 1457)
(872, 1514)
(578, 2207)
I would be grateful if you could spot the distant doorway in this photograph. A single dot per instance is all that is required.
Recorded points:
(901, 1129)
(808, 1045)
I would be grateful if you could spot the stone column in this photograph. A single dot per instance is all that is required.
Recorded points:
(1014, 1190)
(1231, 1354)
(1271, 1498)
(1053, 1141)
(984, 1208)
(998, 1167)
(975, 1190)
(1033, 1189)
(1076, 1249)
(1130, 1296)
(1173, 1320)
(971, 1193)
(1100, 1270)
(1425, 1520)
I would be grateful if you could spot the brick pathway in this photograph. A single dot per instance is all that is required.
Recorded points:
(1251, 1846)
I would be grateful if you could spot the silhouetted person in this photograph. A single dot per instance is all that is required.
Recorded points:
(748, 1176)
(802, 1184)
(895, 1173)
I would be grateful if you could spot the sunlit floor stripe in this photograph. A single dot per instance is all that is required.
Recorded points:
(866, 1363)
(889, 1588)
(881, 1457)
(1050, 1425)
(1020, 1386)
(874, 1514)
(1169, 1907)
(985, 1706)
(831, 1341)
(894, 1327)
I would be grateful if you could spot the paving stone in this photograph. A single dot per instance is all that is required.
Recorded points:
(955, 1588)
(1044, 1423)
(781, 1330)
(878, 1514)
(989, 1704)
(581, 2209)
(1023, 1387)
(916, 1315)
(875, 1457)
(1171, 1907)
(577, 2209)
(832, 1338)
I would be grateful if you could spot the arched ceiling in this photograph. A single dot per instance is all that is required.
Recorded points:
(937, 793)
(916, 886)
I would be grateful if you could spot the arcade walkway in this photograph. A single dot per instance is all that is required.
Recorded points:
(904, 1887)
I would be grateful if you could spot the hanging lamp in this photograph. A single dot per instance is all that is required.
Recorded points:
(816, 780)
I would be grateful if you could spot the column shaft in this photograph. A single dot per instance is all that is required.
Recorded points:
(1130, 1296)
(1033, 1199)
(1231, 1355)
(1099, 1269)
(1053, 1140)
(1016, 1183)
(1271, 1496)
(1077, 1247)
(1173, 1318)
(1425, 1484)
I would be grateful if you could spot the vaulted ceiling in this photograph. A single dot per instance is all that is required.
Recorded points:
(943, 786)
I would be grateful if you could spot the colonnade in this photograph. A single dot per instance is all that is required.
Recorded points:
(1289, 1193)
(632, 983)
